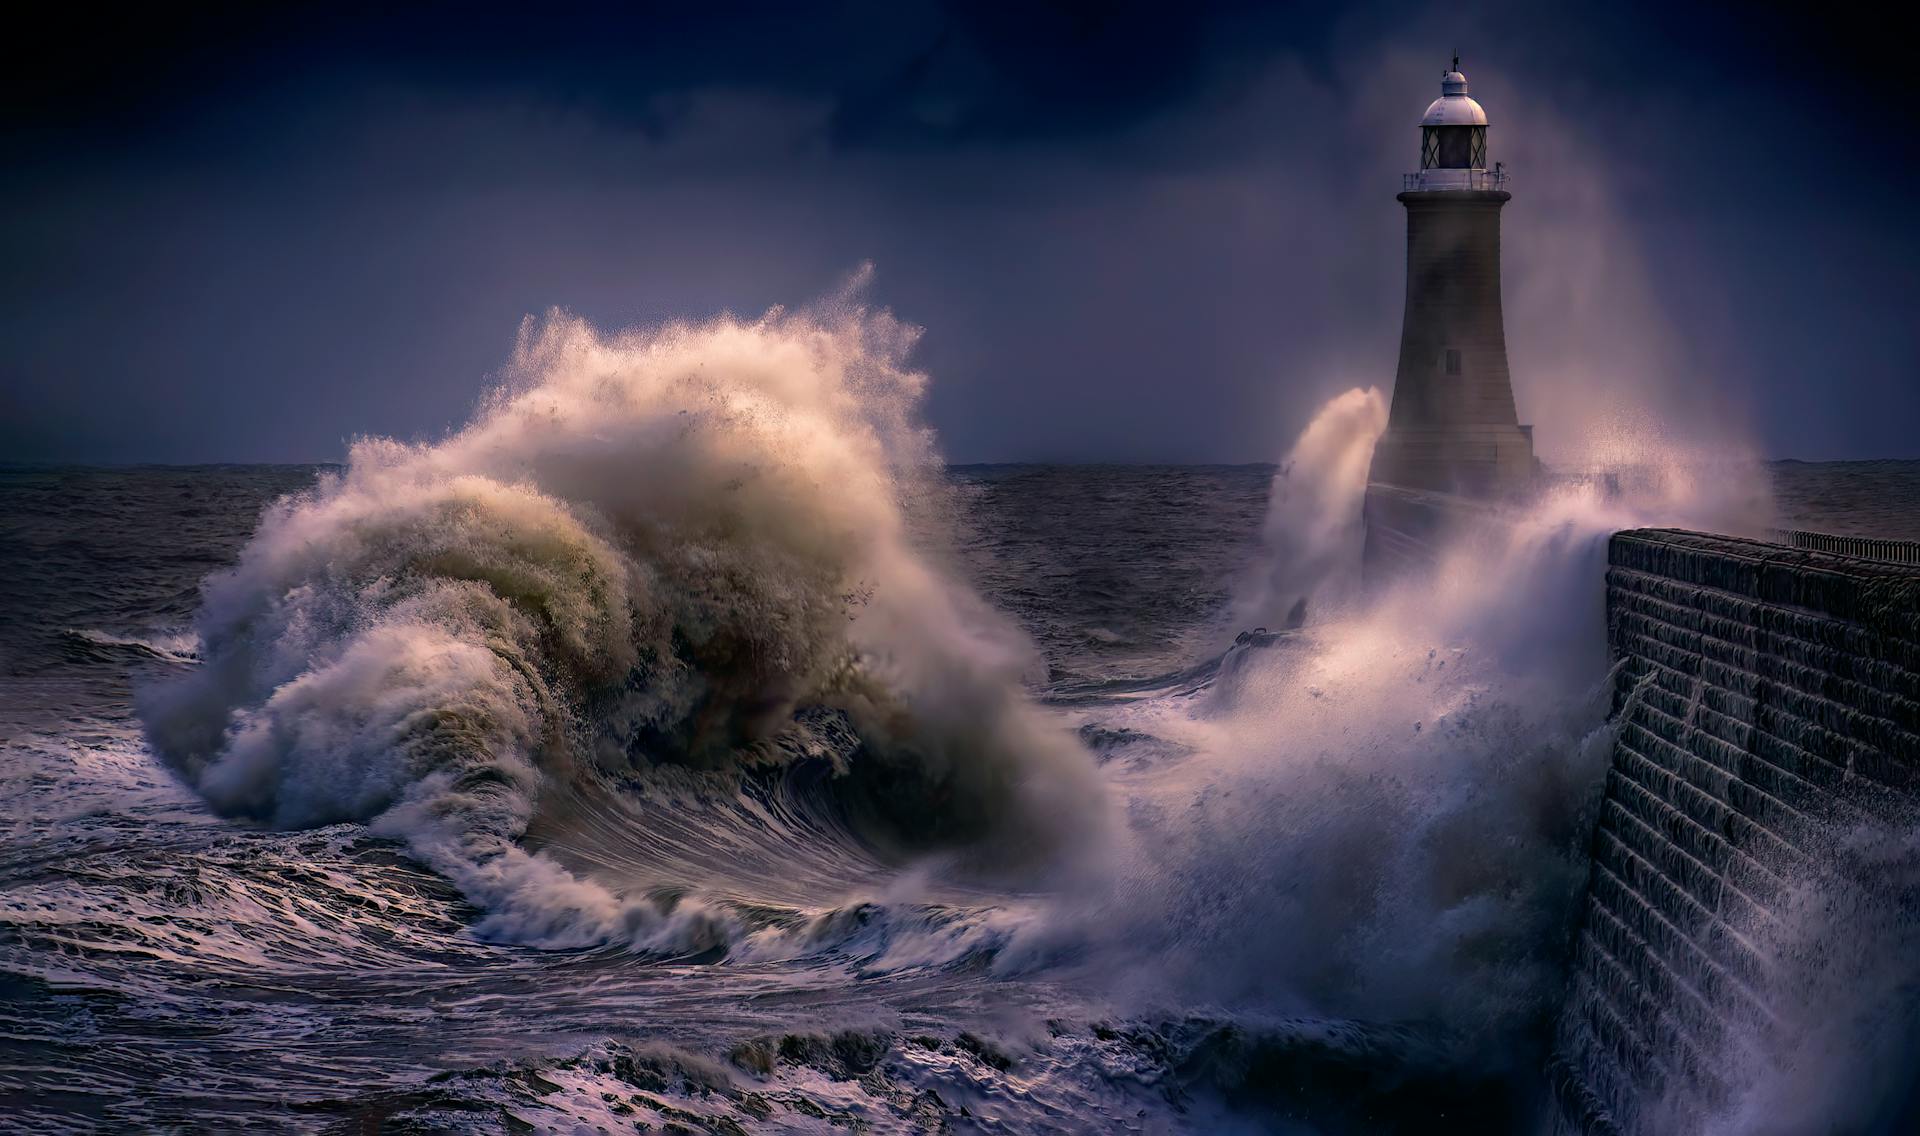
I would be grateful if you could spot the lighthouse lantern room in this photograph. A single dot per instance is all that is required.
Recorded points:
(1453, 141)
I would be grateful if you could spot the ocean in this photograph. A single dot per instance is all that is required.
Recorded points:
(663, 763)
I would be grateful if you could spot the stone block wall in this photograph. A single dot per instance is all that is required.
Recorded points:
(1761, 691)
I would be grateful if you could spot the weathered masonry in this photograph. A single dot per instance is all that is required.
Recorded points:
(1763, 691)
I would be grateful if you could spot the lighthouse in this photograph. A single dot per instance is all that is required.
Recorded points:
(1454, 440)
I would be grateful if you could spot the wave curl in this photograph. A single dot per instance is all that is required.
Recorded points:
(649, 547)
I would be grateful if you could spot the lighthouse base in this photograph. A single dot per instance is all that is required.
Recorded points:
(1485, 462)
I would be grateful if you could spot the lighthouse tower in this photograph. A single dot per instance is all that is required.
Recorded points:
(1453, 429)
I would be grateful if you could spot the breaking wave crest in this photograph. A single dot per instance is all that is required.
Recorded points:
(1313, 530)
(647, 550)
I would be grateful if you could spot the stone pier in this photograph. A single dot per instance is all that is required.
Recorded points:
(1762, 692)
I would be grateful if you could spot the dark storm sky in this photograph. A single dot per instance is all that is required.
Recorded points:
(1131, 231)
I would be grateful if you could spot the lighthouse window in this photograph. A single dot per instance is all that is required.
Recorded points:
(1453, 361)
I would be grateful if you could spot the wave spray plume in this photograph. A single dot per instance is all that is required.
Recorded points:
(648, 547)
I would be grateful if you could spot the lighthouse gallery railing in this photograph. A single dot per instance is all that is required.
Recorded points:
(1444, 179)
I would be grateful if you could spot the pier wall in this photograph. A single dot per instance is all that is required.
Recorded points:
(1762, 692)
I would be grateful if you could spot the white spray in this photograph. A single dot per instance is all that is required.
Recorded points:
(648, 546)
(1384, 816)
(1313, 528)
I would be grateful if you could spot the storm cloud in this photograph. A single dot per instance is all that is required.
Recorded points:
(1132, 232)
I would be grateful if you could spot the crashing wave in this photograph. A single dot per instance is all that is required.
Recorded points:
(647, 548)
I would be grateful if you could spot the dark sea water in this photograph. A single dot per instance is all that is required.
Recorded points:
(170, 968)
(1860, 498)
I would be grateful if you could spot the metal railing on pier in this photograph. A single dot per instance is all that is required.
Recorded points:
(1862, 547)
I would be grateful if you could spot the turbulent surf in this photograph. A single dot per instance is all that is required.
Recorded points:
(650, 549)
(679, 742)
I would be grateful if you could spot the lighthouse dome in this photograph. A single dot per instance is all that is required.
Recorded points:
(1454, 107)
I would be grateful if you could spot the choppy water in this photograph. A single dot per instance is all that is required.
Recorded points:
(1279, 936)
(1857, 498)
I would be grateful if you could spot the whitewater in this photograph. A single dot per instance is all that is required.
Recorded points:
(680, 742)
